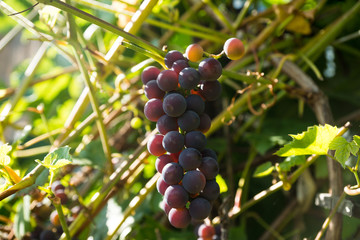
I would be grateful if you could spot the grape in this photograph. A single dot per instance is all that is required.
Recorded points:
(149, 73)
(194, 181)
(173, 56)
(166, 124)
(189, 78)
(162, 161)
(210, 90)
(206, 231)
(199, 208)
(48, 235)
(176, 196)
(136, 123)
(57, 185)
(179, 217)
(154, 145)
(35, 233)
(165, 207)
(152, 90)
(161, 185)
(189, 121)
(210, 69)
(195, 103)
(54, 218)
(211, 190)
(172, 173)
(153, 109)
(190, 159)
(179, 65)
(174, 105)
(209, 167)
(175, 156)
(234, 48)
(194, 52)
(207, 152)
(167, 80)
(173, 142)
(60, 193)
(195, 139)
(205, 123)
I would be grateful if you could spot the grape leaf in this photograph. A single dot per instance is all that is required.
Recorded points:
(292, 161)
(57, 158)
(343, 149)
(356, 140)
(315, 140)
(263, 170)
(4, 158)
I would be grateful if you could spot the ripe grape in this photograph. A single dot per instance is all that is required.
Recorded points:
(199, 208)
(205, 123)
(162, 160)
(149, 73)
(193, 181)
(167, 80)
(211, 190)
(153, 109)
(48, 235)
(161, 185)
(209, 167)
(207, 152)
(179, 65)
(234, 48)
(189, 78)
(173, 56)
(166, 124)
(176, 196)
(189, 121)
(206, 231)
(154, 145)
(173, 142)
(210, 90)
(190, 159)
(172, 173)
(194, 52)
(152, 90)
(210, 69)
(165, 207)
(60, 193)
(174, 105)
(57, 185)
(54, 218)
(195, 103)
(179, 217)
(195, 139)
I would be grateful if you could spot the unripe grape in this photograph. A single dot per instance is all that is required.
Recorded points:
(194, 52)
(136, 123)
(234, 48)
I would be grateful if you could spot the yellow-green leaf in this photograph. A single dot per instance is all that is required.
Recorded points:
(4, 158)
(263, 170)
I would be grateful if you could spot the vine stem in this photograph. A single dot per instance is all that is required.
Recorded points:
(328, 219)
(56, 202)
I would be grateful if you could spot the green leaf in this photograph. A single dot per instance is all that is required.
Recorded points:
(292, 161)
(315, 140)
(263, 170)
(22, 218)
(343, 149)
(4, 158)
(356, 140)
(222, 184)
(57, 158)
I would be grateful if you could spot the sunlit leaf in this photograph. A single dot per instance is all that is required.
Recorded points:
(57, 158)
(222, 184)
(4, 158)
(263, 170)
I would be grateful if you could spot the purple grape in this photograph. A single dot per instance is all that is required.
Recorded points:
(172, 173)
(154, 145)
(166, 207)
(211, 190)
(179, 217)
(162, 160)
(210, 69)
(209, 167)
(189, 121)
(149, 73)
(161, 185)
(207, 152)
(167, 80)
(176, 196)
(152, 90)
(190, 159)
(195, 139)
(210, 90)
(206, 231)
(199, 208)
(173, 142)
(174, 104)
(205, 123)
(189, 78)
(153, 109)
(166, 124)
(179, 65)
(172, 57)
(195, 103)
(57, 185)
(194, 181)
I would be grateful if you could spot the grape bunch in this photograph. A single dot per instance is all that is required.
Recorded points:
(176, 103)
